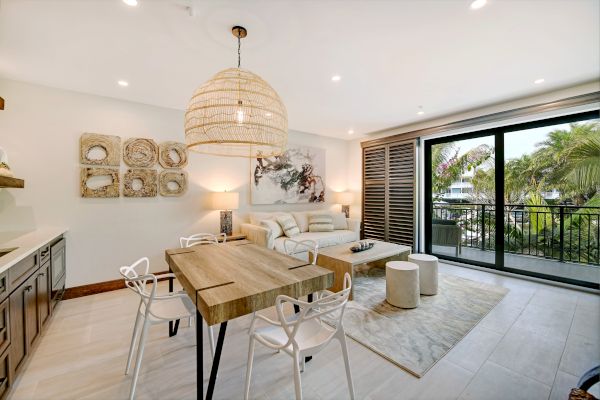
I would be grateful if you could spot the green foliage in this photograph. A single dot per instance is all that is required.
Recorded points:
(584, 158)
(540, 216)
(565, 161)
(448, 167)
(568, 160)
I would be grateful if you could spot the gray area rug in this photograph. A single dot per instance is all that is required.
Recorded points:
(415, 339)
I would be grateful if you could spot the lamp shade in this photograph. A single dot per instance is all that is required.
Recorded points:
(225, 200)
(344, 198)
(236, 113)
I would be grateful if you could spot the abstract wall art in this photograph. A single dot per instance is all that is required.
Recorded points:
(296, 176)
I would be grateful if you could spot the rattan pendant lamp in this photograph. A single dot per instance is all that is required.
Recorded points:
(236, 113)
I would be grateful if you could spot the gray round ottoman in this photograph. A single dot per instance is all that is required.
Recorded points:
(428, 272)
(402, 284)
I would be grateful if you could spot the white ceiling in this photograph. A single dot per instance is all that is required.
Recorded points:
(393, 56)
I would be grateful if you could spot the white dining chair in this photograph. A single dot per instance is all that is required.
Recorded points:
(204, 239)
(153, 309)
(201, 238)
(303, 334)
(295, 248)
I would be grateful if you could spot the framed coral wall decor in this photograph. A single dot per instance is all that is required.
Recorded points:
(172, 183)
(110, 189)
(97, 149)
(173, 155)
(140, 182)
(140, 153)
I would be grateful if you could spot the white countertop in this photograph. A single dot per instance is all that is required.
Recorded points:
(26, 243)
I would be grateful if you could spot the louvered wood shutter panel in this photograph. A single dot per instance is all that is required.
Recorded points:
(374, 177)
(389, 192)
(401, 189)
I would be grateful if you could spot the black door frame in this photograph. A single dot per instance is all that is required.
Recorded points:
(498, 134)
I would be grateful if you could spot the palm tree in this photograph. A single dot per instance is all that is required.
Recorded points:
(566, 161)
(584, 162)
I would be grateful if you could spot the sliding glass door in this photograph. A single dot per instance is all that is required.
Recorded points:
(543, 176)
(461, 225)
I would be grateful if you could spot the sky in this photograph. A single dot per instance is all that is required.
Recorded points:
(515, 143)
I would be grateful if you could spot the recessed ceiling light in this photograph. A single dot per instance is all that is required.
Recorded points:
(268, 115)
(420, 112)
(336, 78)
(538, 81)
(477, 4)
(131, 3)
(123, 83)
(351, 132)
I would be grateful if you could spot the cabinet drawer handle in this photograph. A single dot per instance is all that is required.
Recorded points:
(42, 274)
(28, 288)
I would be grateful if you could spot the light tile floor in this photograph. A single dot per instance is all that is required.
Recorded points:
(534, 345)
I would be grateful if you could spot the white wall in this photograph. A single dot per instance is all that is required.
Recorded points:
(40, 129)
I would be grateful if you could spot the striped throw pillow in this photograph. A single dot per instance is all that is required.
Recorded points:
(320, 223)
(288, 224)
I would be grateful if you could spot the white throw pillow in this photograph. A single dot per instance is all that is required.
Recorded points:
(288, 224)
(320, 223)
(272, 226)
(339, 220)
(301, 218)
(256, 217)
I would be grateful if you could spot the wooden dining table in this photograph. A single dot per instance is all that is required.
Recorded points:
(229, 280)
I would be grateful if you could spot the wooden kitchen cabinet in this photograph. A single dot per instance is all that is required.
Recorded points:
(32, 320)
(29, 311)
(44, 286)
(4, 326)
(5, 377)
(24, 321)
(28, 308)
(18, 327)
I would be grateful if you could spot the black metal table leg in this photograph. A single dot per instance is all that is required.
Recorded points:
(297, 310)
(310, 300)
(172, 328)
(215, 364)
(199, 357)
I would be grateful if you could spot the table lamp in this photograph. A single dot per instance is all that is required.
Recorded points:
(345, 199)
(226, 201)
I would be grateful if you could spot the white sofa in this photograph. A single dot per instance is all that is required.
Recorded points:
(346, 230)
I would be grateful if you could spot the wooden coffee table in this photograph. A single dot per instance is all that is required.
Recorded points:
(340, 259)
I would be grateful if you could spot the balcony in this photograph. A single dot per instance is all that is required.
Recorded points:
(560, 241)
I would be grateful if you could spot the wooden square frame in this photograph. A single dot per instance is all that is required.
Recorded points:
(110, 144)
(149, 178)
(108, 191)
(164, 157)
(177, 176)
(140, 153)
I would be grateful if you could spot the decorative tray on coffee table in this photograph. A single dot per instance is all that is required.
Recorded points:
(362, 246)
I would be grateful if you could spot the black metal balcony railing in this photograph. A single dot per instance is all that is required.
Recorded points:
(564, 233)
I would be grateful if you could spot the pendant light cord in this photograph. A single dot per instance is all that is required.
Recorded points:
(239, 52)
